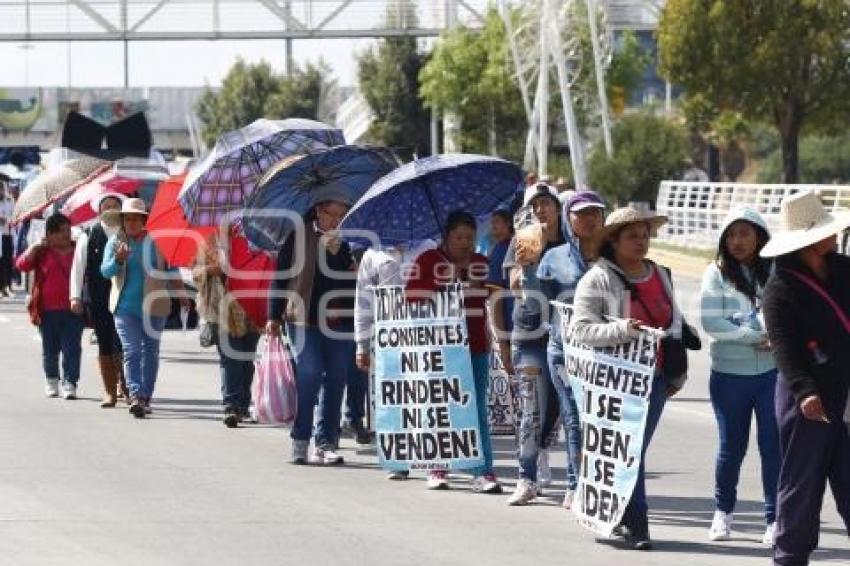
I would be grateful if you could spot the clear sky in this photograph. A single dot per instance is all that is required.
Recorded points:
(175, 63)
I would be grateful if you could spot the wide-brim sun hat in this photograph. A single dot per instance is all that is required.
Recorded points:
(134, 206)
(804, 221)
(98, 200)
(628, 215)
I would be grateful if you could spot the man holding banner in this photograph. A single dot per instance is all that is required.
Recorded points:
(625, 381)
(432, 364)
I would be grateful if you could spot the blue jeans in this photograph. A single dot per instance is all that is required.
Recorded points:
(237, 374)
(141, 352)
(569, 414)
(321, 370)
(637, 511)
(356, 389)
(735, 398)
(481, 376)
(61, 332)
(533, 386)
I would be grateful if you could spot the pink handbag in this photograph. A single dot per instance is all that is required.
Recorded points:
(275, 395)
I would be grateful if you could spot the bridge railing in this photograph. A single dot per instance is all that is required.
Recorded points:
(696, 210)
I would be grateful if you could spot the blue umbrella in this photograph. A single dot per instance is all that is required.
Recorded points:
(412, 203)
(297, 183)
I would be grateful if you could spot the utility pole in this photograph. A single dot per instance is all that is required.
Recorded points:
(592, 12)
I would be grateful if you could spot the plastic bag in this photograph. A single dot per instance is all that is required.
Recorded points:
(274, 392)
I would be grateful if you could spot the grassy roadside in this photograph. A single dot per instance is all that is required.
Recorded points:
(706, 255)
(682, 261)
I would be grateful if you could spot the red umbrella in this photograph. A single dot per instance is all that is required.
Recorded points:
(176, 239)
(78, 206)
(249, 278)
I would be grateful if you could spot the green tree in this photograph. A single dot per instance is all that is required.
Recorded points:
(470, 73)
(628, 64)
(250, 92)
(823, 160)
(647, 150)
(300, 94)
(241, 99)
(389, 81)
(779, 61)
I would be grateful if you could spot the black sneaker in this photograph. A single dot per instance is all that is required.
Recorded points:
(231, 418)
(137, 409)
(361, 435)
(639, 539)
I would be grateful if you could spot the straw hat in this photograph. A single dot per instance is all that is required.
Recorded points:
(629, 215)
(134, 206)
(98, 200)
(804, 221)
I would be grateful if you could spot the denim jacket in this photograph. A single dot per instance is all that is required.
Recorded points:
(559, 272)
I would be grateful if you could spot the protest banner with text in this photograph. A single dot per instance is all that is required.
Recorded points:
(426, 415)
(612, 387)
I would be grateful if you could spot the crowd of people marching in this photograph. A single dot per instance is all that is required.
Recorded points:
(776, 307)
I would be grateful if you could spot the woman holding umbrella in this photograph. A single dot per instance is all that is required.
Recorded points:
(87, 282)
(138, 300)
(315, 283)
(234, 333)
(455, 261)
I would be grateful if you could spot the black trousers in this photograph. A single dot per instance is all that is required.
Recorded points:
(6, 261)
(812, 454)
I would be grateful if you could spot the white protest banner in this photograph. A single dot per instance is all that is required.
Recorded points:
(502, 404)
(426, 416)
(612, 387)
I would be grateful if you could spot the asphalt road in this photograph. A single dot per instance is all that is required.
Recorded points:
(80, 485)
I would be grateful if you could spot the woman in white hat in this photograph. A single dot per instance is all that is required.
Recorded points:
(626, 286)
(139, 301)
(88, 284)
(807, 311)
(743, 372)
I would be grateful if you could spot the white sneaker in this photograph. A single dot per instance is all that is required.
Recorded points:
(326, 456)
(721, 526)
(52, 388)
(769, 535)
(524, 493)
(488, 483)
(69, 390)
(568, 499)
(544, 473)
(437, 480)
(299, 452)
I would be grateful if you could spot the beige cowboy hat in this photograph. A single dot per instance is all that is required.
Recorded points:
(628, 215)
(804, 221)
(134, 206)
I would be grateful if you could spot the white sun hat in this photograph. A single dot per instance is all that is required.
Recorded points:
(804, 221)
(134, 206)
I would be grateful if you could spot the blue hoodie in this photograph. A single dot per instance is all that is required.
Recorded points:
(559, 272)
(731, 319)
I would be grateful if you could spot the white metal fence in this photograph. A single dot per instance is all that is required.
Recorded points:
(696, 210)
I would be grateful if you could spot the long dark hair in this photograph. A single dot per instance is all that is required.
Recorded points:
(732, 270)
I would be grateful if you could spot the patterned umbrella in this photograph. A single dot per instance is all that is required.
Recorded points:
(78, 206)
(298, 183)
(55, 184)
(412, 203)
(227, 177)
